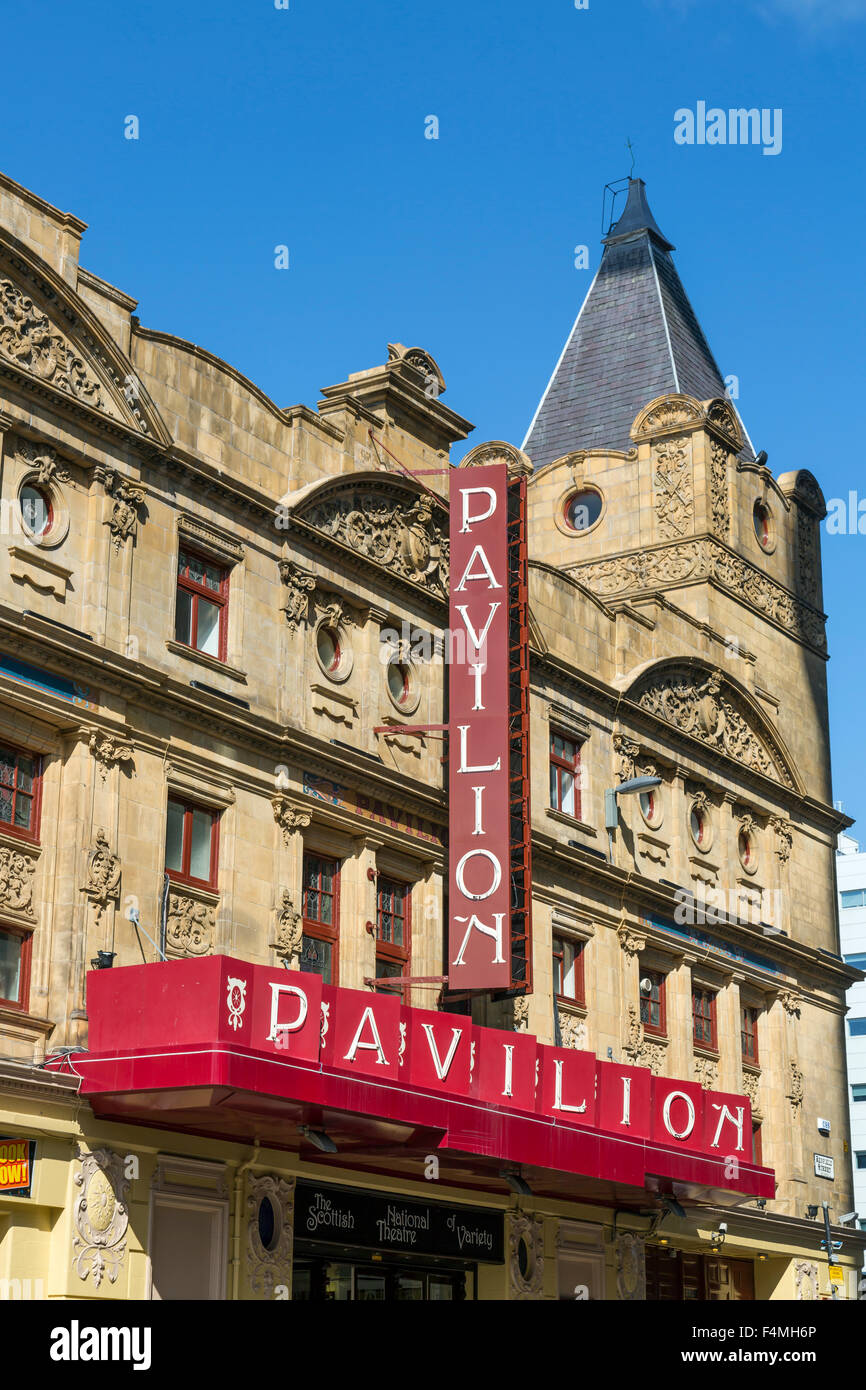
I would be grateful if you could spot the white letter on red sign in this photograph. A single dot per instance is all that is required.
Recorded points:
(509, 1068)
(736, 1120)
(495, 932)
(466, 493)
(276, 991)
(466, 767)
(442, 1068)
(666, 1114)
(497, 874)
(558, 1064)
(376, 1046)
(626, 1101)
(469, 578)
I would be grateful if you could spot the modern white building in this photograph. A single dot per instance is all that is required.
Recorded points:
(851, 875)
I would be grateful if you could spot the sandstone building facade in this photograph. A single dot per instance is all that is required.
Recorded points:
(217, 621)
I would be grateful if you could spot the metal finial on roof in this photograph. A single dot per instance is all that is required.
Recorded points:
(637, 218)
(630, 148)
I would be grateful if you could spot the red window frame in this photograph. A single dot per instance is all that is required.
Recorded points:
(314, 926)
(579, 996)
(749, 1033)
(388, 952)
(704, 1017)
(560, 765)
(220, 599)
(757, 1145)
(659, 981)
(183, 875)
(31, 831)
(26, 938)
(46, 498)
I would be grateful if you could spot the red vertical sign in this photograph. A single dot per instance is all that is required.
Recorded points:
(479, 937)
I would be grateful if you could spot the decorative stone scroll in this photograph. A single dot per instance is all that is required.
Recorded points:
(299, 585)
(190, 926)
(289, 932)
(404, 536)
(16, 881)
(719, 496)
(573, 1030)
(110, 752)
(525, 1256)
(102, 884)
(30, 341)
(126, 500)
(703, 705)
(795, 1090)
(641, 1051)
(672, 482)
(784, 838)
(706, 1072)
(43, 466)
(288, 817)
(630, 1267)
(705, 559)
(100, 1216)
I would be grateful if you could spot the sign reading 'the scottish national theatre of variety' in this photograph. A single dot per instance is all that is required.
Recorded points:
(480, 889)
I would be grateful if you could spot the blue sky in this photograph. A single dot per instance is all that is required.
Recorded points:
(305, 127)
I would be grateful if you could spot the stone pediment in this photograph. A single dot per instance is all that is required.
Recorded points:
(49, 338)
(391, 524)
(706, 705)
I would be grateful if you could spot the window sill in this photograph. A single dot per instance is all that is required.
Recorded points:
(572, 1006)
(661, 1038)
(14, 838)
(11, 1015)
(205, 892)
(750, 1066)
(563, 818)
(204, 659)
(701, 1050)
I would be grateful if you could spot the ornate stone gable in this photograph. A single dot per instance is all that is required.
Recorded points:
(704, 705)
(664, 566)
(407, 535)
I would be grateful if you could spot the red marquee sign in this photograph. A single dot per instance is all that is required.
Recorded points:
(221, 1022)
(479, 937)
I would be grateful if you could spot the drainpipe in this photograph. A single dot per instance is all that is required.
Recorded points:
(236, 1240)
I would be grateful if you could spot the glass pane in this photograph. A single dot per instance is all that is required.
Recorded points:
(174, 837)
(199, 855)
(397, 931)
(387, 969)
(212, 577)
(5, 804)
(409, 1287)
(312, 905)
(397, 682)
(328, 648)
(316, 957)
(23, 805)
(385, 920)
(554, 788)
(208, 632)
(10, 967)
(183, 617)
(338, 1283)
(35, 511)
(26, 768)
(7, 772)
(568, 793)
(568, 969)
(369, 1288)
(440, 1289)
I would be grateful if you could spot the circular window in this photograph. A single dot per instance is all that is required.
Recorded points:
(37, 513)
(267, 1223)
(650, 804)
(765, 531)
(747, 851)
(583, 509)
(699, 827)
(328, 650)
(398, 682)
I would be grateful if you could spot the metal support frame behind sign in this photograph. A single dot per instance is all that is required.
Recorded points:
(520, 827)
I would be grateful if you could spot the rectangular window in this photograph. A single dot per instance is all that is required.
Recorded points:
(757, 1146)
(861, 1160)
(191, 839)
(749, 1034)
(14, 969)
(201, 614)
(652, 1002)
(858, 961)
(858, 1091)
(393, 927)
(857, 1027)
(321, 918)
(854, 897)
(704, 1017)
(564, 775)
(19, 792)
(568, 969)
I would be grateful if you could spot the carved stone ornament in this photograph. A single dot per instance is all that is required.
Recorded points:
(335, 612)
(719, 495)
(190, 927)
(516, 462)
(795, 1091)
(722, 417)
(126, 500)
(521, 1013)
(672, 482)
(704, 706)
(298, 584)
(102, 884)
(270, 1265)
(630, 1257)
(288, 817)
(706, 1072)
(434, 381)
(525, 1256)
(16, 881)
(100, 1216)
(407, 536)
(289, 935)
(790, 1003)
(631, 941)
(30, 341)
(784, 838)
(751, 1084)
(640, 1049)
(668, 565)
(667, 413)
(807, 555)
(805, 1281)
(109, 752)
(626, 751)
(573, 1030)
(43, 467)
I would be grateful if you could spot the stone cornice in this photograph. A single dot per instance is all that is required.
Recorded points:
(22, 1079)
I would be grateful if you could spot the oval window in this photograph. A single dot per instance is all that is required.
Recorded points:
(650, 806)
(583, 509)
(328, 649)
(267, 1223)
(746, 849)
(398, 682)
(36, 510)
(699, 827)
(763, 519)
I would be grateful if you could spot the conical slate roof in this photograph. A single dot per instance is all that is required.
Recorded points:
(636, 337)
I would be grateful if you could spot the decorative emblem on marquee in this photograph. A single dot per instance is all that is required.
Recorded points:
(236, 1000)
